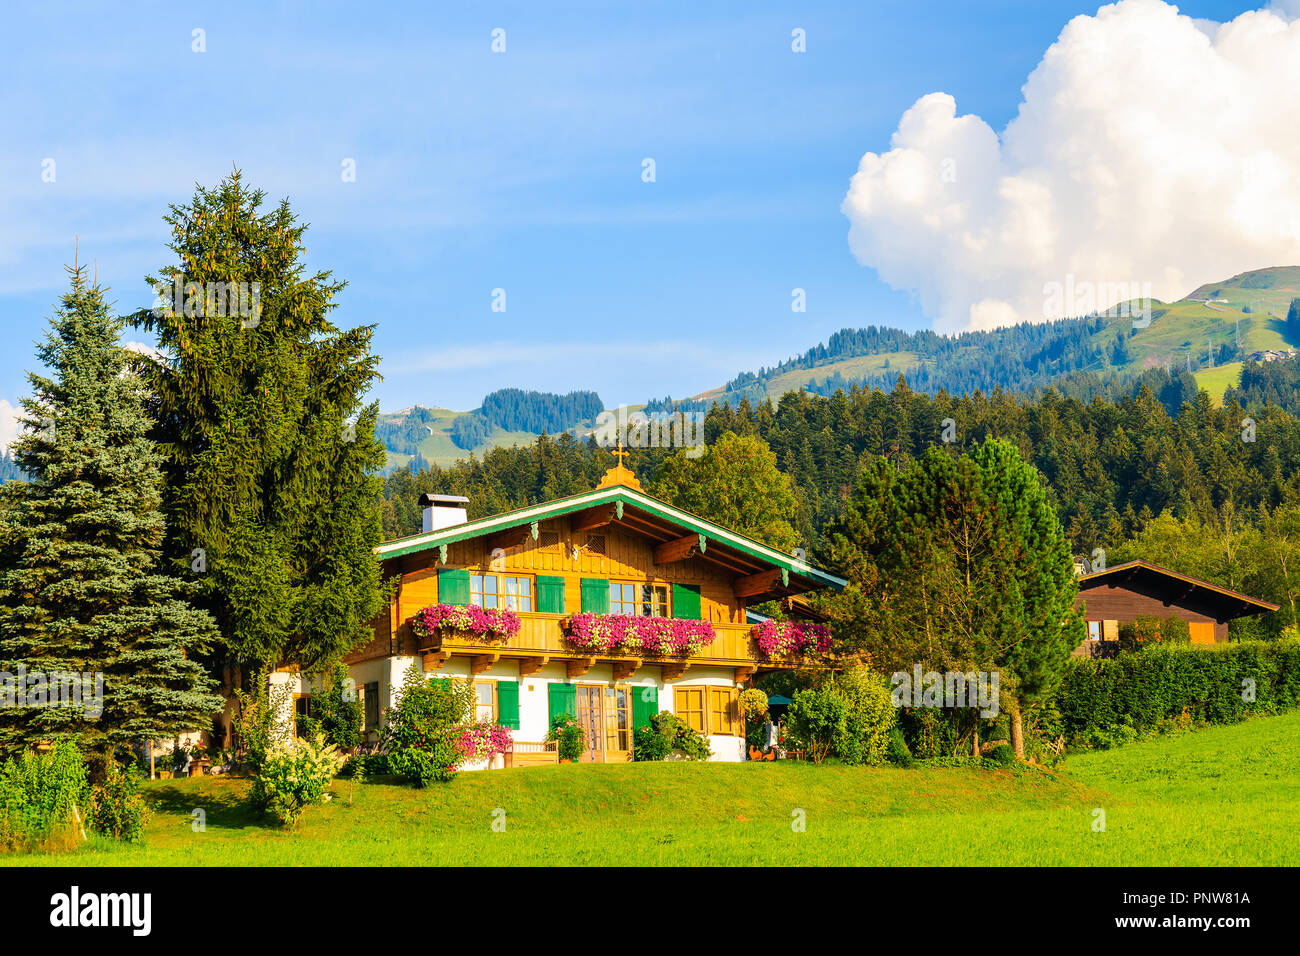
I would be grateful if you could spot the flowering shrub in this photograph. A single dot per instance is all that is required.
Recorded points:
(753, 703)
(569, 736)
(639, 635)
(481, 621)
(777, 638)
(482, 740)
(419, 739)
(294, 776)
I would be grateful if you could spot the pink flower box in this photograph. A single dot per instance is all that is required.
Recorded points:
(491, 623)
(648, 636)
(782, 638)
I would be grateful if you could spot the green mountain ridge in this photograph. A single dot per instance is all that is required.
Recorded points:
(1210, 334)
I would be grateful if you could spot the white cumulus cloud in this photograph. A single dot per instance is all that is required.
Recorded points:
(9, 427)
(1149, 148)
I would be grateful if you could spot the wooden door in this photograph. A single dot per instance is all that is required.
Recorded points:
(618, 723)
(591, 719)
(1200, 632)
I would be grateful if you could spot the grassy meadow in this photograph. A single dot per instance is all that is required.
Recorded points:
(1219, 796)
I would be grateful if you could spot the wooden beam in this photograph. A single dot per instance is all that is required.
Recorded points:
(760, 583)
(531, 665)
(679, 549)
(591, 518)
(744, 673)
(676, 669)
(579, 667)
(625, 669)
(434, 660)
(481, 662)
(510, 538)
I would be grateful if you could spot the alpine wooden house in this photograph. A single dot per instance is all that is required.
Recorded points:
(611, 551)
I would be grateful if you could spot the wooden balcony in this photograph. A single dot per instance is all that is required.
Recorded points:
(541, 640)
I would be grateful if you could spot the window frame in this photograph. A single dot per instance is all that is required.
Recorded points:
(369, 699)
(496, 707)
(499, 595)
(661, 595)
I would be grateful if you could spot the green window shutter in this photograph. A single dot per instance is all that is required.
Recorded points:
(453, 586)
(595, 595)
(508, 703)
(550, 594)
(645, 704)
(686, 601)
(562, 699)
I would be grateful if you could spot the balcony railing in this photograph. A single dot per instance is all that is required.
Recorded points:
(543, 635)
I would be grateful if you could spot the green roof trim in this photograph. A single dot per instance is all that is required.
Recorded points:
(618, 495)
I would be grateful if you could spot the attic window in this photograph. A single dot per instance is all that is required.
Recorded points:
(596, 543)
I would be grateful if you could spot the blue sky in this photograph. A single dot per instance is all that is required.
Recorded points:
(519, 170)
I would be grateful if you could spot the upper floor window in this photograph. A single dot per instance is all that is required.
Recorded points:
(638, 600)
(504, 591)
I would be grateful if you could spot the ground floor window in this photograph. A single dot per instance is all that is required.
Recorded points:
(485, 707)
(1094, 630)
(708, 710)
(370, 702)
(688, 704)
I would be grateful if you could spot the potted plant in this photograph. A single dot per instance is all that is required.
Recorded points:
(569, 736)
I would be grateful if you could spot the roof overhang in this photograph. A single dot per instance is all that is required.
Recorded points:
(1181, 587)
(760, 570)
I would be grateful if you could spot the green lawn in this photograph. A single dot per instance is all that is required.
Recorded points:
(1225, 795)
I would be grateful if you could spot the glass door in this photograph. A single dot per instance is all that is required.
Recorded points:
(618, 723)
(591, 718)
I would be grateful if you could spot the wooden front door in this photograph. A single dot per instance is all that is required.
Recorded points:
(1200, 632)
(605, 713)
(592, 720)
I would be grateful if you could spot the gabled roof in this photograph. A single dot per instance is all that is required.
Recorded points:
(1144, 571)
(636, 511)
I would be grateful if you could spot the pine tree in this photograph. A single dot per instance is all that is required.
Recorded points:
(81, 588)
(272, 461)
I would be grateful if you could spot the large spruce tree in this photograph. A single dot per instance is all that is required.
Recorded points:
(957, 563)
(272, 461)
(81, 590)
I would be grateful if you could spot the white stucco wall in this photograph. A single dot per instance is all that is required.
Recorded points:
(534, 694)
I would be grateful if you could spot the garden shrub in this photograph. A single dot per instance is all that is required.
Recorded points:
(816, 719)
(39, 795)
(1105, 703)
(896, 748)
(294, 776)
(117, 808)
(1002, 755)
(870, 716)
(424, 726)
(569, 736)
(649, 744)
(752, 703)
(338, 710)
(668, 733)
(257, 725)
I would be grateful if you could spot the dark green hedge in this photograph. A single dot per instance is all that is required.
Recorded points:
(1174, 683)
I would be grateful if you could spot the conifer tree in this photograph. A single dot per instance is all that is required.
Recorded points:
(81, 588)
(272, 461)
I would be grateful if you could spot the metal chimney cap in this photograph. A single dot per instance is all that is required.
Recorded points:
(428, 500)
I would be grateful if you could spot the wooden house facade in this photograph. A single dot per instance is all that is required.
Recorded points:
(614, 550)
(1125, 592)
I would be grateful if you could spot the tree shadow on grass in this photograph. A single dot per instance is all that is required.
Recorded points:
(227, 811)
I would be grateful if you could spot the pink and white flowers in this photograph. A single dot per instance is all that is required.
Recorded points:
(470, 618)
(652, 636)
(483, 740)
(778, 638)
